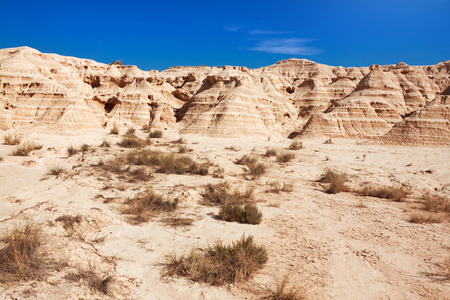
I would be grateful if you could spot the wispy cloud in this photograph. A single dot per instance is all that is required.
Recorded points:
(233, 27)
(293, 46)
(259, 32)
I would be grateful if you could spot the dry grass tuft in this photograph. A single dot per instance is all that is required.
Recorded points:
(56, 170)
(178, 222)
(69, 221)
(130, 132)
(248, 214)
(156, 134)
(284, 290)
(435, 203)
(223, 194)
(255, 169)
(19, 257)
(94, 280)
(394, 193)
(270, 152)
(246, 160)
(220, 264)
(132, 141)
(296, 145)
(285, 157)
(26, 147)
(427, 217)
(337, 182)
(276, 187)
(145, 205)
(71, 150)
(11, 139)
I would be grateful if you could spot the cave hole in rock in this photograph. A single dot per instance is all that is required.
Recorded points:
(111, 103)
(290, 90)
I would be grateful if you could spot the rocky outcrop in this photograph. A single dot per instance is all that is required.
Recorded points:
(294, 96)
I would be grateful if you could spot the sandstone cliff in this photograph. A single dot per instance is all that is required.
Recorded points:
(400, 103)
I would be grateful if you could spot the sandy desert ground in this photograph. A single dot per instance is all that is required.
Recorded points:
(334, 246)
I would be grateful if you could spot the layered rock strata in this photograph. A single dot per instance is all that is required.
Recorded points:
(294, 96)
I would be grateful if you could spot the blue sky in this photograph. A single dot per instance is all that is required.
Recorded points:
(161, 34)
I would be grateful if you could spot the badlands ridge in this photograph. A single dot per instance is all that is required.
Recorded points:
(295, 97)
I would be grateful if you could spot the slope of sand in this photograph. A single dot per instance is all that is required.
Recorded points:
(340, 246)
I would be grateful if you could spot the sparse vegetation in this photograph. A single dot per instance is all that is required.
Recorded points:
(26, 147)
(435, 203)
(394, 193)
(56, 170)
(270, 152)
(178, 222)
(105, 144)
(71, 150)
(248, 214)
(284, 290)
(427, 217)
(143, 206)
(11, 139)
(328, 141)
(156, 134)
(277, 187)
(257, 170)
(337, 182)
(247, 160)
(223, 194)
(69, 221)
(20, 257)
(145, 128)
(84, 147)
(93, 279)
(285, 157)
(220, 264)
(183, 149)
(295, 145)
(132, 141)
(232, 148)
(130, 131)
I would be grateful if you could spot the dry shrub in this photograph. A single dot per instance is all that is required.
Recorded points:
(224, 194)
(56, 170)
(144, 205)
(284, 290)
(232, 148)
(257, 170)
(337, 182)
(168, 163)
(296, 145)
(156, 134)
(71, 150)
(105, 144)
(11, 139)
(276, 187)
(69, 221)
(435, 203)
(270, 152)
(183, 149)
(248, 214)
(178, 222)
(246, 160)
(220, 264)
(84, 147)
(94, 280)
(26, 147)
(427, 217)
(329, 141)
(130, 132)
(285, 157)
(395, 193)
(132, 142)
(19, 257)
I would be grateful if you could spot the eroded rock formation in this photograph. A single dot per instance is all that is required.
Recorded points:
(295, 96)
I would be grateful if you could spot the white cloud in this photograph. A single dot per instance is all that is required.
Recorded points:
(258, 32)
(293, 46)
(233, 27)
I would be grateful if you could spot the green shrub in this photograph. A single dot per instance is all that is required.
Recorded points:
(248, 214)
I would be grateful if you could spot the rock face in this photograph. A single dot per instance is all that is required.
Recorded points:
(295, 96)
